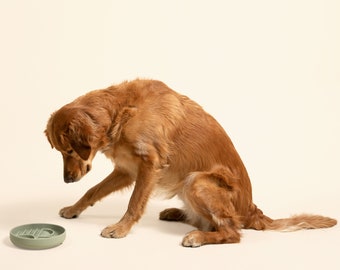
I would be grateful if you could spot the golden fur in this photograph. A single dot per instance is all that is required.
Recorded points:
(162, 141)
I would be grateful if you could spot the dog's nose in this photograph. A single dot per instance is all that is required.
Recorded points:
(68, 178)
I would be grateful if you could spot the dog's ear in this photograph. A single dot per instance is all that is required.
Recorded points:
(48, 138)
(80, 133)
(83, 149)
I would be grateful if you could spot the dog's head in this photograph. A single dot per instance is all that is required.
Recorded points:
(71, 130)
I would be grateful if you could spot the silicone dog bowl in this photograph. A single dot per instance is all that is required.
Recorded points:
(37, 236)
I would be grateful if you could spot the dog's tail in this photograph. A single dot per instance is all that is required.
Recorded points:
(299, 222)
(259, 221)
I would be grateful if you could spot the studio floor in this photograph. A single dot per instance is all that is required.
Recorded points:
(153, 244)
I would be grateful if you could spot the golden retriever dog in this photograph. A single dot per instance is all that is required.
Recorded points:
(162, 141)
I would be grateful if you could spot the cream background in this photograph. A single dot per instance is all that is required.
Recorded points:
(268, 71)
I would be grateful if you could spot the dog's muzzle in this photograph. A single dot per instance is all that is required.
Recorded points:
(70, 177)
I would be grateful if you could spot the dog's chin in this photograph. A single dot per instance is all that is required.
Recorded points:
(71, 179)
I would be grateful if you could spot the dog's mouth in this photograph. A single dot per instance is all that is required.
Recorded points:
(88, 168)
(75, 176)
(70, 179)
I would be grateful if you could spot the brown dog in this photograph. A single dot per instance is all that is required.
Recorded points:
(161, 140)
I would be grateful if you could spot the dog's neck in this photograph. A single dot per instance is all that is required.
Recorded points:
(109, 116)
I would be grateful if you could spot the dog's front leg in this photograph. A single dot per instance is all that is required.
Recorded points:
(145, 183)
(117, 180)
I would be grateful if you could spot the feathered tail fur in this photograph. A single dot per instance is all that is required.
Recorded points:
(258, 221)
(299, 222)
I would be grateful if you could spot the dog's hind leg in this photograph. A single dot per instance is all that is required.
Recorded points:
(210, 197)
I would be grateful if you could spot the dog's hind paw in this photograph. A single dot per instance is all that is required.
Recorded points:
(193, 239)
(172, 214)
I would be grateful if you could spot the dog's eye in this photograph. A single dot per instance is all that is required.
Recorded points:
(70, 152)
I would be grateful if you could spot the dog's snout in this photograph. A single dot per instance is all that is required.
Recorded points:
(71, 176)
(68, 178)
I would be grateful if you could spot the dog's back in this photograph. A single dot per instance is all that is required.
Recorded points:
(186, 137)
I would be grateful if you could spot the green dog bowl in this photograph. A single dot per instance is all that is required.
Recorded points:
(37, 236)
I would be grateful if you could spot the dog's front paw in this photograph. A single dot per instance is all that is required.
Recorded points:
(115, 231)
(69, 212)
